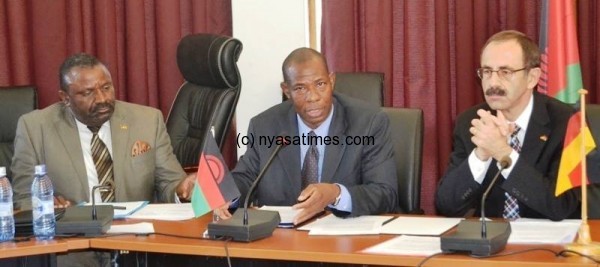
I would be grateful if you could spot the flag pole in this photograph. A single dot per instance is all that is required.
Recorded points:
(584, 242)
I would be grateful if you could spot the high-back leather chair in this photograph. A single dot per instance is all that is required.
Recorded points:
(593, 161)
(367, 86)
(406, 126)
(208, 97)
(14, 102)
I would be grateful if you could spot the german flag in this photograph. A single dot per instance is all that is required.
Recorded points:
(214, 184)
(569, 172)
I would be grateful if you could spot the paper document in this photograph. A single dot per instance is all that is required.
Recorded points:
(166, 212)
(542, 231)
(332, 225)
(419, 225)
(286, 213)
(123, 209)
(136, 228)
(408, 245)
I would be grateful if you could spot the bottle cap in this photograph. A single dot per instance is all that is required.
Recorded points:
(2, 171)
(40, 169)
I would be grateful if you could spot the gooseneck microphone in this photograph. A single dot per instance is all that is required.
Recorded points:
(101, 188)
(505, 162)
(259, 177)
(263, 223)
(480, 238)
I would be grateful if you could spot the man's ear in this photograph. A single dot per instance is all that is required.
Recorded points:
(533, 77)
(332, 79)
(285, 90)
(64, 97)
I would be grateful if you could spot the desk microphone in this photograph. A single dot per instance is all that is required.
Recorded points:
(475, 237)
(263, 222)
(101, 188)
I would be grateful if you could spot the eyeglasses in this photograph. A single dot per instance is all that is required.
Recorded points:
(506, 74)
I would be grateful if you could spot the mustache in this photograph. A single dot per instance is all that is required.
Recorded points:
(103, 105)
(495, 91)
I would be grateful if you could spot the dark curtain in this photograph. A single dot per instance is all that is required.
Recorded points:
(429, 50)
(136, 39)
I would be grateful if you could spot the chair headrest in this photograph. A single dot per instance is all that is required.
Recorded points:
(209, 60)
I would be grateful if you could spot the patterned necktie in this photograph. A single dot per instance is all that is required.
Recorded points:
(310, 168)
(104, 165)
(511, 206)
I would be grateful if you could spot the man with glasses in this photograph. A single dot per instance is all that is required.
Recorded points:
(517, 122)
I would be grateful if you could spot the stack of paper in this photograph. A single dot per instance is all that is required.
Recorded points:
(123, 209)
(331, 225)
(167, 212)
(419, 225)
(542, 231)
(408, 245)
(286, 213)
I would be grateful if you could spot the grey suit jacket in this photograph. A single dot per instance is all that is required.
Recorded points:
(49, 136)
(533, 178)
(367, 171)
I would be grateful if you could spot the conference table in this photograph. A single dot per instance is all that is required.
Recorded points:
(294, 245)
(184, 238)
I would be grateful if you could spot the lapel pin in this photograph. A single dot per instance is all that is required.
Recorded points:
(544, 138)
(123, 126)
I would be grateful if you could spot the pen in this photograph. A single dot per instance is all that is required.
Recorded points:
(119, 207)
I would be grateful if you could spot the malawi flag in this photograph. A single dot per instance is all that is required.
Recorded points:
(561, 72)
(569, 172)
(214, 184)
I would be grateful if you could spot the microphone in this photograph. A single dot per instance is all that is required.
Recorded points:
(101, 188)
(505, 162)
(475, 237)
(263, 222)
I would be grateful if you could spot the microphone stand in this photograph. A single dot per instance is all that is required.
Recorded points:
(474, 237)
(263, 223)
(101, 188)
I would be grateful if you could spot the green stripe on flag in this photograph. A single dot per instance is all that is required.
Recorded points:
(574, 83)
(199, 203)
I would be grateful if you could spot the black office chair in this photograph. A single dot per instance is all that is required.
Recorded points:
(14, 102)
(208, 97)
(406, 125)
(593, 161)
(367, 86)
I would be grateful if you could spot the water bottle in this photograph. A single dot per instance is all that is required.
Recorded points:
(7, 221)
(42, 203)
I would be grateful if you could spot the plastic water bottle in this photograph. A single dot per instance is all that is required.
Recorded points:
(7, 221)
(42, 202)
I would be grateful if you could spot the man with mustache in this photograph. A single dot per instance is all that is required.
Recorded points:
(516, 122)
(143, 164)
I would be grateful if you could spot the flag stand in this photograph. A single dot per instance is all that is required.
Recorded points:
(584, 243)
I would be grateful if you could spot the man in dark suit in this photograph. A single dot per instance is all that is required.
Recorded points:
(514, 122)
(350, 179)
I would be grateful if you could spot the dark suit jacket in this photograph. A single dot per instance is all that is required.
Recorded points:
(533, 178)
(367, 171)
(50, 136)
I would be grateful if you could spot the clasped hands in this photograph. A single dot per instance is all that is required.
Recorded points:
(312, 200)
(490, 135)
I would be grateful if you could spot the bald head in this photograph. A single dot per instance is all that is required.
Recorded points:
(298, 56)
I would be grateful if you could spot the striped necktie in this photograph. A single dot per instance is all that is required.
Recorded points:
(511, 205)
(104, 165)
(310, 168)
